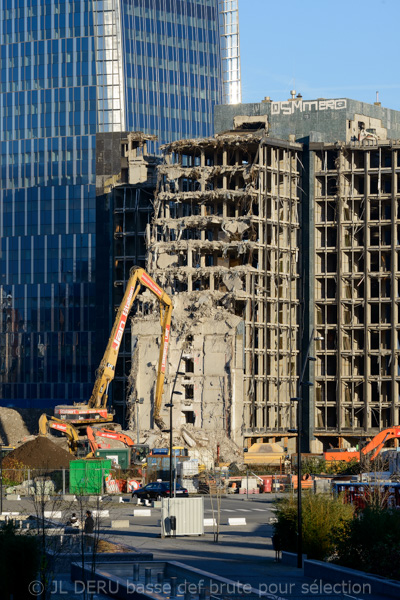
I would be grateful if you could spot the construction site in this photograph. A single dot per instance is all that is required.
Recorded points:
(264, 244)
(276, 232)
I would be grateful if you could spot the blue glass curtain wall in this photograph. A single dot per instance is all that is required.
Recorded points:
(69, 70)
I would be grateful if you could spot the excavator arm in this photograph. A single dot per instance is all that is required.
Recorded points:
(46, 423)
(377, 443)
(374, 446)
(106, 371)
(92, 440)
(114, 435)
(139, 451)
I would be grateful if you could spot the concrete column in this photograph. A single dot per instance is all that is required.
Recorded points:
(367, 267)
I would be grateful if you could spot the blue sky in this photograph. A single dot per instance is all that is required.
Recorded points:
(340, 49)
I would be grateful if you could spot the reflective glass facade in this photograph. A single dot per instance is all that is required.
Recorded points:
(70, 70)
(172, 62)
(230, 49)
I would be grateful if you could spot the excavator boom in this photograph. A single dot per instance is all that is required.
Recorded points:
(377, 443)
(95, 411)
(114, 435)
(46, 423)
(139, 451)
(374, 446)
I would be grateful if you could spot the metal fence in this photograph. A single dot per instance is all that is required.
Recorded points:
(29, 482)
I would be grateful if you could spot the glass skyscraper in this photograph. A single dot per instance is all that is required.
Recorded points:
(69, 71)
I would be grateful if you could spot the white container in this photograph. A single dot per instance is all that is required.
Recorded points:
(188, 513)
(251, 481)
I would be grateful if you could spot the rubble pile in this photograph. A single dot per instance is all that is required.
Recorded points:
(17, 424)
(40, 453)
(12, 427)
(205, 445)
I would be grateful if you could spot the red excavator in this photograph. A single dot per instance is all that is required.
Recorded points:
(139, 453)
(374, 446)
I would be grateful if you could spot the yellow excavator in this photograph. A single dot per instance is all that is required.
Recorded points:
(76, 445)
(95, 411)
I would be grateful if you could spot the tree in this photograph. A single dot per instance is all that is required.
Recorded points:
(213, 481)
(88, 542)
(47, 506)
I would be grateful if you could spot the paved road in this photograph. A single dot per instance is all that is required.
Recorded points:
(242, 554)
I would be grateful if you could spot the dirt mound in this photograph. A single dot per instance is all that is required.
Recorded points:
(41, 453)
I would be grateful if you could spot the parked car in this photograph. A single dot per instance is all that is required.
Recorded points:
(158, 490)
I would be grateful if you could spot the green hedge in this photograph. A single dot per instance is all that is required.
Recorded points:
(372, 542)
(324, 524)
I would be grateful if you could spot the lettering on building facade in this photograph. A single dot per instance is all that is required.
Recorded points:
(292, 106)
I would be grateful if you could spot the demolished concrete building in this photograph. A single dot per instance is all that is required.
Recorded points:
(125, 185)
(350, 269)
(225, 243)
(282, 228)
(357, 282)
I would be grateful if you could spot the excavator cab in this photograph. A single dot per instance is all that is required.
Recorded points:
(81, 415)
(139, 454)
(83, 449)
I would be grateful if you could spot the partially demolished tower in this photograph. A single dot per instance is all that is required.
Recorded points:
(357, 237)
(224, 239)
(350, 271)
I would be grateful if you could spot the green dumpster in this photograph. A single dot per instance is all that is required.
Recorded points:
(120, 457)
(88, 476)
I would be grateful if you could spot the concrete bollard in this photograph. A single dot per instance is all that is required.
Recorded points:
(237, 521)
(120, 524)
(142, 512)
(13, 497)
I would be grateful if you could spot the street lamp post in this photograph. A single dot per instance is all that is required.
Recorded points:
(1, 479)
(138, 401)
(170, 405)
(299, 400)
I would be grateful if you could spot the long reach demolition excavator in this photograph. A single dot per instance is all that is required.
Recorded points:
(95, 410)
(371, 450)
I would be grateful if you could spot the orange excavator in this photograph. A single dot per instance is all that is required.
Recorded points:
(112, 435)
(374, 446)
(95, 410)
(139, 454)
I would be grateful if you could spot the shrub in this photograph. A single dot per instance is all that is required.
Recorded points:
(324, 523)
(317, 465)
(14, 471)
(372, 542)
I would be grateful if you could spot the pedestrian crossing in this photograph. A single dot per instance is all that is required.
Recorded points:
(230, 510)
